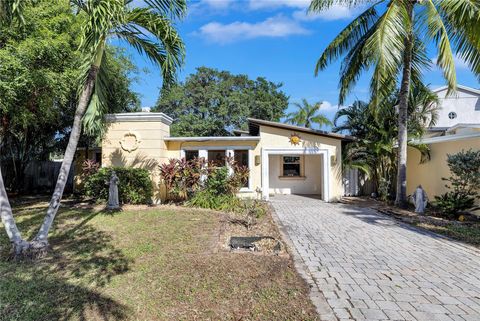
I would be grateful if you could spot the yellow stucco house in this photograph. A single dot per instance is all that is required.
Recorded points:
(283, 159)
(457, 129)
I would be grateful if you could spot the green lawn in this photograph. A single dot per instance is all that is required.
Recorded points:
(151, 264)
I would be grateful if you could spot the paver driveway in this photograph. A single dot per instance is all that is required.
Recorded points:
(370, 267)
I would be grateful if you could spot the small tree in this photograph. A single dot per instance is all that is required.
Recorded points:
(464, 183)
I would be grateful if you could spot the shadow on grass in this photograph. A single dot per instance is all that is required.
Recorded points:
(67, 284)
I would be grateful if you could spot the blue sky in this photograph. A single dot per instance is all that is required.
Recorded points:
(271, 38)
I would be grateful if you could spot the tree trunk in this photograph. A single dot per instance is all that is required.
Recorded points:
(41, 238)
(401, 193)
(8, 221)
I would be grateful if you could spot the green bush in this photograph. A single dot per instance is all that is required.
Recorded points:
(135, 186)
(452, 203)
(463, 184)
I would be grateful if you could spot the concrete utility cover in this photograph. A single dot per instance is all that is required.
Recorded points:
(363, 265)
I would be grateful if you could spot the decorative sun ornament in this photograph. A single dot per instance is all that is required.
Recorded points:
(295, 139)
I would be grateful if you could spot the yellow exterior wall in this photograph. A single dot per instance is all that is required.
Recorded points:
(80, 157)
(272, 137)
(151, 150)
(430, 174)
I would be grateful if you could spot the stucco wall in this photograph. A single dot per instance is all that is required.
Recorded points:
(148, 143)
(309, 183)
(466, 104)
(272, 137)
(430, 174)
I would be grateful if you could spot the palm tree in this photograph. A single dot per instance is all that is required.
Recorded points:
(307, 115)
(147, 28)
(373, 153)
(383, 38)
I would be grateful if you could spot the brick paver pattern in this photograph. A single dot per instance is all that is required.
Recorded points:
(370, 267)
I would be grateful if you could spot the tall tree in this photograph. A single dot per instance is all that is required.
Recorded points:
(373, 152)
(307, 115)
(39, 65)
(148, 28)
(213, 103)
(383, 38)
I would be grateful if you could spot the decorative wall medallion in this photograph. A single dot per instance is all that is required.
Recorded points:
(130, 142)
(295, 139)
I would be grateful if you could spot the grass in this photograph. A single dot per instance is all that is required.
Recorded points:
(150, 264)
(468, 233)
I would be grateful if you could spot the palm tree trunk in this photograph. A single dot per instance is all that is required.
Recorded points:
(401, 193)
(41, 239)
(8, 221)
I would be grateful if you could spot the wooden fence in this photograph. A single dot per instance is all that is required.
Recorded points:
(39, 177)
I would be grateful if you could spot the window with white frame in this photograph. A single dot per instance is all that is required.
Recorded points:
(240, 156)
(217, 157)
(291, 166)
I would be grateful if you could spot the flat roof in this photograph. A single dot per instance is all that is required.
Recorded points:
(254, 121)
(212, 138)
(139, 117)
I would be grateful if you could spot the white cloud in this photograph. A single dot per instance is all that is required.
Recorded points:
(328, 106)
(269, 4)
(336, 12)
(277, 26)
(459, 62)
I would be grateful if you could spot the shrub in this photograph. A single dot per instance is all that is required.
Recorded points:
(452, 203)
(464, 183)
(183, 178)
(135, 186)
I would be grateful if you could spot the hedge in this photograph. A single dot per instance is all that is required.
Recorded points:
(135, 185)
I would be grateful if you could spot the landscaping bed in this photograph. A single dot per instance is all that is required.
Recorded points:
(149, 263)
(467, 231)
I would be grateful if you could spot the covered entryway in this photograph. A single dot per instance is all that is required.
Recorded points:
(295, 171)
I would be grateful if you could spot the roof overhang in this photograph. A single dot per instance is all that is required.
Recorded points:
(139, 117)
(259, 122)
(447, 138)
(461, 87)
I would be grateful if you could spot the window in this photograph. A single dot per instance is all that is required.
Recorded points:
(241, 159)
(452, 115)
(98, 158)
(217, 157)
(291, 166)
(191, 154)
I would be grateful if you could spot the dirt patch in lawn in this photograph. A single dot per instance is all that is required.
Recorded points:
(467, 231)
(144, 263)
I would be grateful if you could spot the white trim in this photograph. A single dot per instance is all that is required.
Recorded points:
(295, 151)
(212, 138)
(218, 147)
(462, 87)
(139, 117)
(447, 138)
(462, 125)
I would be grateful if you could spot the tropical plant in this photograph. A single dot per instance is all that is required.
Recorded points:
(373, 153)
(148, 28)
(390, 37)
(463, 184)
(307, 115)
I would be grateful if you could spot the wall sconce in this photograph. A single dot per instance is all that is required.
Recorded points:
(333, 160)
(257, 160)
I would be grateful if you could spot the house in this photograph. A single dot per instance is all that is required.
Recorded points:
(457, 129)
(283, 159)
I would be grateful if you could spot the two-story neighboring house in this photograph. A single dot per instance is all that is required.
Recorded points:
(461, 109)
(457, 129)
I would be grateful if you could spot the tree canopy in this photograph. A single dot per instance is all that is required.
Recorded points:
(39, 72)
(212, 102)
